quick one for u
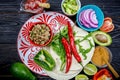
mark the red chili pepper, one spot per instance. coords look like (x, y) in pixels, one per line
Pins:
(72, 44)
(68, 53)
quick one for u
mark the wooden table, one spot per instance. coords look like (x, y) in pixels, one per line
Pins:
(11, 21)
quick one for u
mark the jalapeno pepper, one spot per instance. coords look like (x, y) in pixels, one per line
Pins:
(44, 60)
(72, 44)
(68, 53)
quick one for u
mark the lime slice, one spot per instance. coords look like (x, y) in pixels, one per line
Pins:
(90, 69)
(81, 77)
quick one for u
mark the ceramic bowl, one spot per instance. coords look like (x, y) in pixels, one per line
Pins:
(63, 9)
(99, 16)
(47, 42)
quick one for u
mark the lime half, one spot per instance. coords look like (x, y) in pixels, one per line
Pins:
(90, 69)
(81, 77)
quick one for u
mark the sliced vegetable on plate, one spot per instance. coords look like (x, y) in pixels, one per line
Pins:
(44, 59)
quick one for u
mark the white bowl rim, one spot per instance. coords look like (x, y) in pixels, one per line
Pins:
(78, 2)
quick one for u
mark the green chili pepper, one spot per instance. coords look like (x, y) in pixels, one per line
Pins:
(45, 60)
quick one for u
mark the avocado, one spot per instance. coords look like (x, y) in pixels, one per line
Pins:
(101, 38)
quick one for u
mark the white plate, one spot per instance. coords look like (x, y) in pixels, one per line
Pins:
(27, 51)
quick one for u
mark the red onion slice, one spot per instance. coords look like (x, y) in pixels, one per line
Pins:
(93, 17)
(83, 21)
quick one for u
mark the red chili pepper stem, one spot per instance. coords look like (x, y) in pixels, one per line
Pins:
(68, 53)
(72, 44)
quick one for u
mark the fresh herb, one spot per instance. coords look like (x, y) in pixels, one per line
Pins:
(57, 46)
(81, 49)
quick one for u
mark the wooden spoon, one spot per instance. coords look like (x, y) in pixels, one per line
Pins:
(109, 65)
(111, 68)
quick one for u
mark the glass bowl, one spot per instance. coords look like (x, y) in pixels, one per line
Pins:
(32, 6)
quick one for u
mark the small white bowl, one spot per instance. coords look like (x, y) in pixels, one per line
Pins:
(63, 10)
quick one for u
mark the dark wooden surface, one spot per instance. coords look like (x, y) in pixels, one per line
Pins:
(11, 20)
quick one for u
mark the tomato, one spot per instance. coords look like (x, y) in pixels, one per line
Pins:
(107, 26)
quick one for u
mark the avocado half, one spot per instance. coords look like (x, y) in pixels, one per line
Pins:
(101, 38)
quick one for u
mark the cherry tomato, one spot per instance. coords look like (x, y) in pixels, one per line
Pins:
(107, 26)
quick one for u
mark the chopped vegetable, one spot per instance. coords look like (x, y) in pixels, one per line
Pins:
(68, 53)
(107, 26)
(103, 74)
(21, 72)
(44, 60)
(88, 18)
(33, 5)
(70, 6)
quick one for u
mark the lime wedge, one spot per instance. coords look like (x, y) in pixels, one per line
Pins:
(81, 77)
(90, 69)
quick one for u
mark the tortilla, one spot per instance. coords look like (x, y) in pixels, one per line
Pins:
(75, 68)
